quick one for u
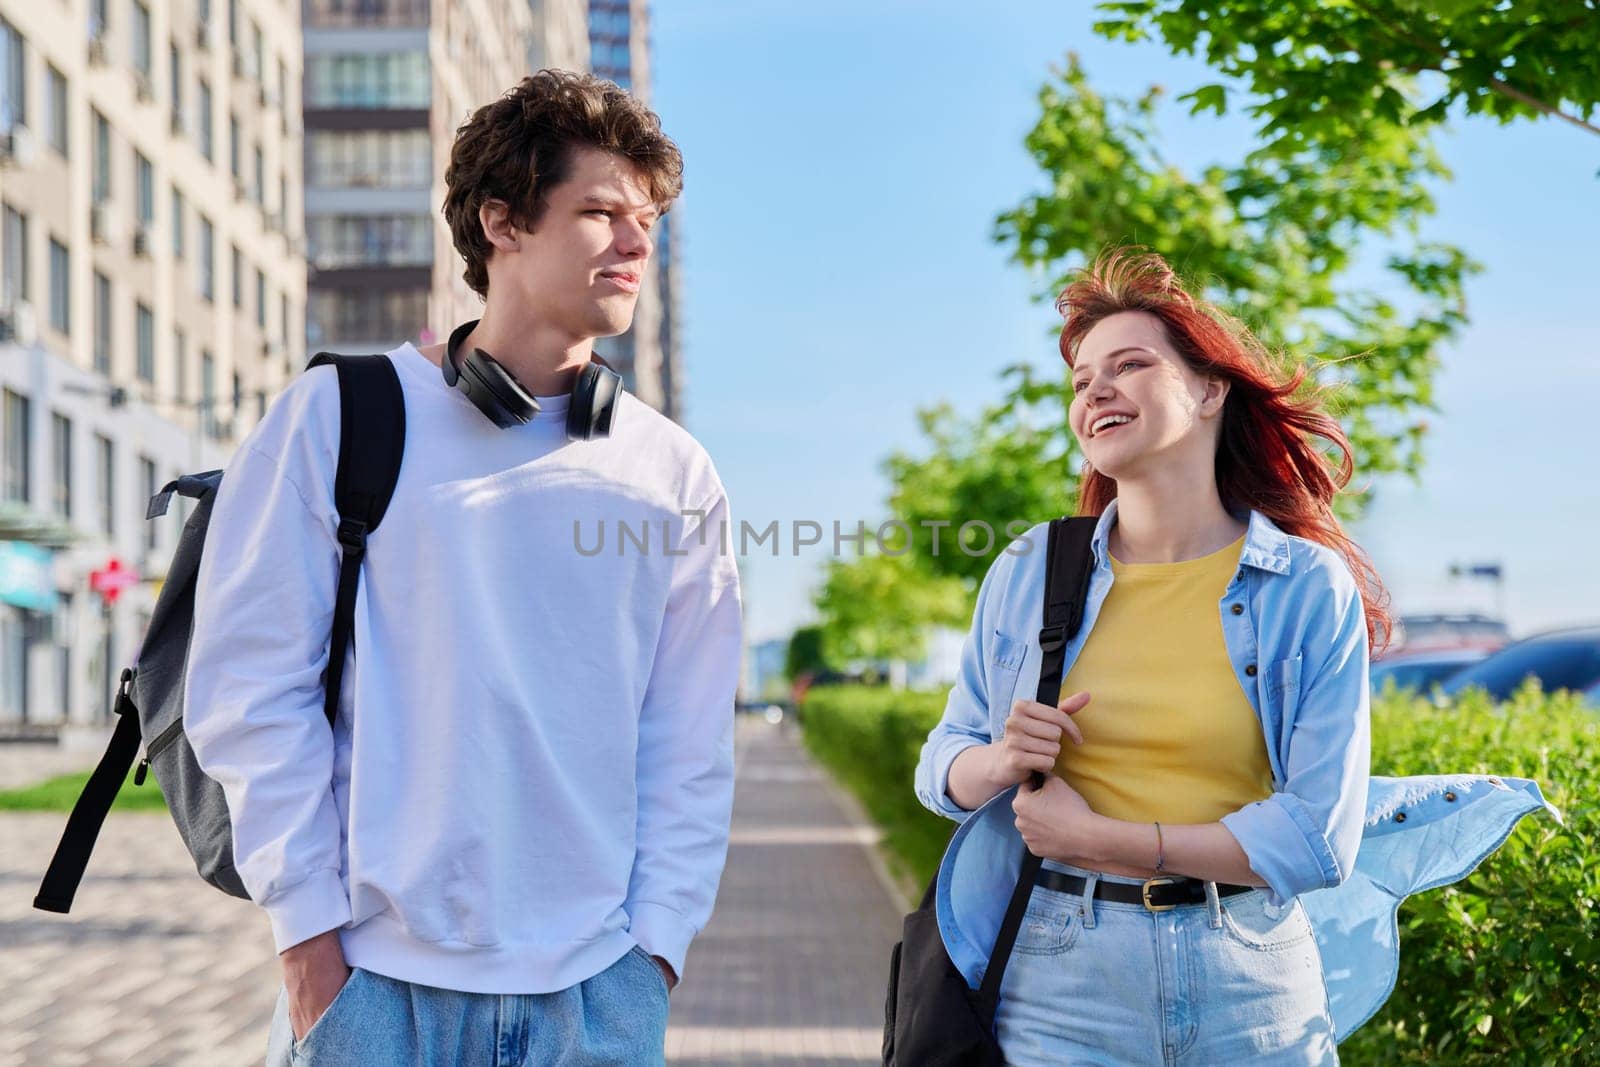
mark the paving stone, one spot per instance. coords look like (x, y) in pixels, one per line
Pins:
(155, 966)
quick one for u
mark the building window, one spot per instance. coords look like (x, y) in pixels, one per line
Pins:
(145, 343)
(141, 38)
(102, 158)
(60, 288)
(99, 18)
(17, 285)
(261, 300)
(233, 22)
(144, 188)
(57, 122)
(61, 464)
(369, 159)
(370, 240)
(283, 321)
(151, 486)
(258, 69)
(175, 86)
(384, 80)
(210, 425)
(366, 13)
(180, 364)
(177, 223)
(236, 265)
(207, 256)
(105, 452)
(18, 442)
(14, 78)
(369, 315)
(258, 174)
(204, 125)
(102, 324)
(233, 147)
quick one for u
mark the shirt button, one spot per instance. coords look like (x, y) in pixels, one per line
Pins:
(1399, 816)
(1251, 670)
(1238, 609)
(1451, 797)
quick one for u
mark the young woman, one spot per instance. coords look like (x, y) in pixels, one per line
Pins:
(1208, 761)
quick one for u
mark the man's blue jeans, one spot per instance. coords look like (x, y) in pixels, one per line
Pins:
(618, 1017)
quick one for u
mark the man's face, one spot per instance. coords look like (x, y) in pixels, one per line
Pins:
(580, 269)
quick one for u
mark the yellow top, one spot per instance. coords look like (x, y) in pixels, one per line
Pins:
(1168, 734)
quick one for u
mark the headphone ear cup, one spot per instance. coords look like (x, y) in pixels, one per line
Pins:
(496, 392)
(593, 404)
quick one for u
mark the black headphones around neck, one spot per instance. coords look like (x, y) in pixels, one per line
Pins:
(496, 393)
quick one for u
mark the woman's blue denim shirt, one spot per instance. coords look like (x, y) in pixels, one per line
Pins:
(1295, 629)
(1296, 632)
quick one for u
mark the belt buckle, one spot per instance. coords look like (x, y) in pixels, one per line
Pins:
(1149, 906)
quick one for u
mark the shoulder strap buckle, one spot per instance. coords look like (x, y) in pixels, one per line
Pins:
(353, 536)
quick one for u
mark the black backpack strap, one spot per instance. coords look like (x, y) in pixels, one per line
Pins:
(1068, 562)
(66, 869)
(372, 441)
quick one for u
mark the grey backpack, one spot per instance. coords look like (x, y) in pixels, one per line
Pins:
(149, 701)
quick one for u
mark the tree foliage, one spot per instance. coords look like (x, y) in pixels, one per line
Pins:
(805, 655)
(1312, 240)
(1314, 69)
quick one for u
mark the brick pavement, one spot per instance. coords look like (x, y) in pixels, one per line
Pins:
(789, 971)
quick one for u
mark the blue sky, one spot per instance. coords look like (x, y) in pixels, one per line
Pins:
(845, 163)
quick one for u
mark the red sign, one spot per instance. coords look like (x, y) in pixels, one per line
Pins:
(110, 580)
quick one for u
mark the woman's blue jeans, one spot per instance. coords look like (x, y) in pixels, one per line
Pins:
(1227, 983)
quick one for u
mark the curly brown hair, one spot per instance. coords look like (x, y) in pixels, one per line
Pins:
(519, 147)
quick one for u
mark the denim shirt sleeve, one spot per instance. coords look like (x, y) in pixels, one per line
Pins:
(1306, 835)
(965, 722)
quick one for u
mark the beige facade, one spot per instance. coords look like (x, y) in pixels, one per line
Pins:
(152, 297)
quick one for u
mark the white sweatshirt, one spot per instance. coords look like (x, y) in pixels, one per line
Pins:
(532, 767)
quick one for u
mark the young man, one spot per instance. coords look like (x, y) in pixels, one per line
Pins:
(502, 849)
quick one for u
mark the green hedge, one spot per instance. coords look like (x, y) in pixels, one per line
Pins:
(870, 738)
(1502, 967)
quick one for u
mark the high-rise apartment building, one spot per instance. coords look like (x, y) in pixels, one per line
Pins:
(647, 355)
(152, 295)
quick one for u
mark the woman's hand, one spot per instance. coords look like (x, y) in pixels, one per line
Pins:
(1056, 822)
(1032, 740)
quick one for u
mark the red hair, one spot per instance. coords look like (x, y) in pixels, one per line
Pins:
(1266, 458)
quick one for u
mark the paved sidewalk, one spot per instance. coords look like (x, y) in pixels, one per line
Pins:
(154, 966)
(791, 968)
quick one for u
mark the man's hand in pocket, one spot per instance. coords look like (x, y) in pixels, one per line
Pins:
(313, 972)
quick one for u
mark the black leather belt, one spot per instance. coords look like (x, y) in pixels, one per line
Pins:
(1156, 894)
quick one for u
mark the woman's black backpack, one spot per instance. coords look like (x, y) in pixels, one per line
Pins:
(149, 702)
(932, 1018)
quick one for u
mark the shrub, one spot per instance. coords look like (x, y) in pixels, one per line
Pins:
(1503, 966)
(870, 738)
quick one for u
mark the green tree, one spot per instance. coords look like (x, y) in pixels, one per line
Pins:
(1312, 241)
(879, 607)
(1317, 72)
(1277, 238)
(805, 655)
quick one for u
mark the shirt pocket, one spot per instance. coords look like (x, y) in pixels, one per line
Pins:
(1283, 683)
(1005, 654)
